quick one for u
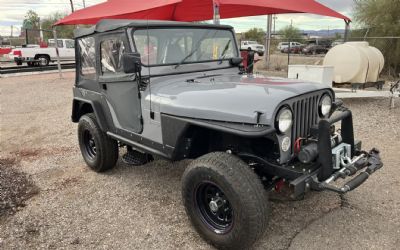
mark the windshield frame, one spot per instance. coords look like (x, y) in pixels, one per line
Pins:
(235, 44)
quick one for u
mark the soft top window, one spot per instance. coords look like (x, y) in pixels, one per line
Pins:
(184, 45)
(111, 55)
(87, 55)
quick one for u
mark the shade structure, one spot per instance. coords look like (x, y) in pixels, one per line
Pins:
(193, 10)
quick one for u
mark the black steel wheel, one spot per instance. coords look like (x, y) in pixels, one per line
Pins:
(225, 200)
(214, 207)
(90, 144)
(98, 150)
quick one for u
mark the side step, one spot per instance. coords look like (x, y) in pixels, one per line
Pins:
(136, 158)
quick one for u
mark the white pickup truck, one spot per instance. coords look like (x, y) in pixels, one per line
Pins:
(253, 45)
(43, 56)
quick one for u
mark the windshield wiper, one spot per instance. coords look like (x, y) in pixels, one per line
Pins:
(186, 57)
(193, 51)
(222, 57)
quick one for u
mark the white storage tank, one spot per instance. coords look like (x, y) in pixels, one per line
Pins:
(355, 62)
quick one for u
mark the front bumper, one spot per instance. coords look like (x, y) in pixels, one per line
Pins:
(322, 177)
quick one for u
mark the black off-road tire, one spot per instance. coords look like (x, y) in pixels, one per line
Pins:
(244, 192)
(105, 154)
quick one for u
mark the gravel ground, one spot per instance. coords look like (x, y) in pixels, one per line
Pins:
(15, 188)
(140, 207)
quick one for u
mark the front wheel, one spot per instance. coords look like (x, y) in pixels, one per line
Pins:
(99, 151)
(225, 200)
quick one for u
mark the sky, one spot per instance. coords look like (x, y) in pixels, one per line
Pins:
(12, 13)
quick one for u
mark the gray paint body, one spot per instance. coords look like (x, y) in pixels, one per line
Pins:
(225, 95)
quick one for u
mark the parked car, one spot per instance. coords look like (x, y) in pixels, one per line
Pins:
(284, 45)
(297, 49)
(253, 45)
(315, 49)
(34, 55)
(142, 87)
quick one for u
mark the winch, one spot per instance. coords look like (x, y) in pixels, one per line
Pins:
(309, 152)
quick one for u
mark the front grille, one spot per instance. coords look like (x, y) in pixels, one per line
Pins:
(305, 115)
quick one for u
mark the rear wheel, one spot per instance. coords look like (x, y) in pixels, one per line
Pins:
(43, 60)
(225, 200)
(98, 150)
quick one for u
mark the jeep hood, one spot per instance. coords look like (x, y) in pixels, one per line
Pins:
(231, 98)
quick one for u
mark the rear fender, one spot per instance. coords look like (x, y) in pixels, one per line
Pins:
(81, 107)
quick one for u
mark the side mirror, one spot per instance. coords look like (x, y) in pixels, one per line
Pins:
(235, 61)
(131, 62)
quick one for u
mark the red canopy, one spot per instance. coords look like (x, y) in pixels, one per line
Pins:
(193, 10)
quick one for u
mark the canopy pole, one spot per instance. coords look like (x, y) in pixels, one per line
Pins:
(268, 41)
(57, 52)
(217, 17)
(346, 30)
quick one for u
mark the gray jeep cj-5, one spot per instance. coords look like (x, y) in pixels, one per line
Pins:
(179, 90)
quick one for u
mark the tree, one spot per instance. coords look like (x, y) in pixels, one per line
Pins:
(32, 24)
(291, 33)
(381, 18)
(255, 34)
(64, 31)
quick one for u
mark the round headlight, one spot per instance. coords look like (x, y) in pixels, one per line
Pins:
(284, 120)
(325, 105)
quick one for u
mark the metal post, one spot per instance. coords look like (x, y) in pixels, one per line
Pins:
(217, 17)
(84, 4)
(288, 58)
(72, 5)
(268, 40)
(58, 54)
(346, 30)
(26, 36)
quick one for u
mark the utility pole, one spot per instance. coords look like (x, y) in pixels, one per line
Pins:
(275, 17)
(72, 5)
(84, 4)
(217, 17)
(346, 30)
(268, 40)
(12, 28)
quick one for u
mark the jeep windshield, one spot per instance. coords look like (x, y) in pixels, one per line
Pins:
(176, 46)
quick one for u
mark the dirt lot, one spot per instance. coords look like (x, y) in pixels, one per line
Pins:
(140, 207)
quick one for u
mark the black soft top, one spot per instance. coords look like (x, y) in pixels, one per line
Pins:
(113, 24)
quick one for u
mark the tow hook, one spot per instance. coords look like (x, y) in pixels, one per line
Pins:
(370, 161)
